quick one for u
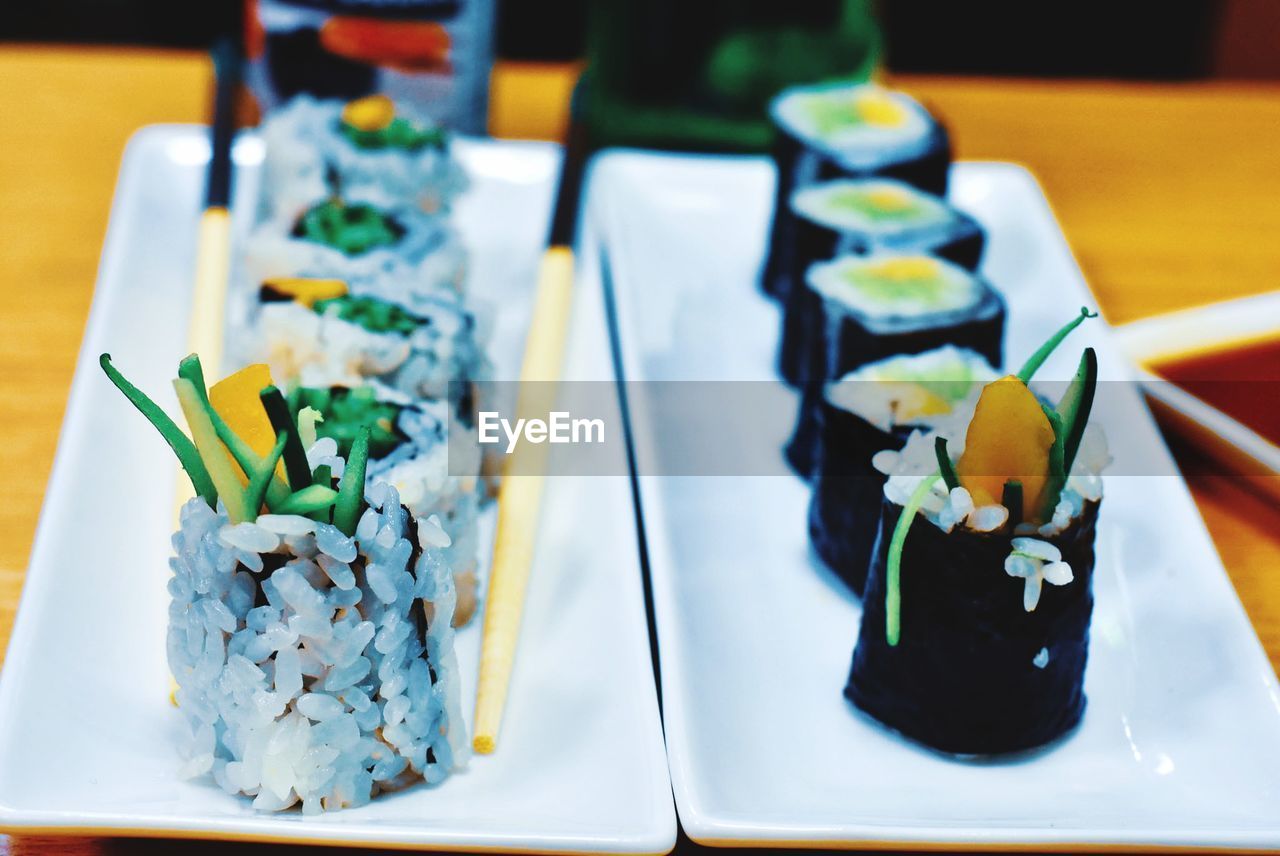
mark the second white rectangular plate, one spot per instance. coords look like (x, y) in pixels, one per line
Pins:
(87, 736)
(1180, 745)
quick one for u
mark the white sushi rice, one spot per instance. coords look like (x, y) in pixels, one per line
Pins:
(427, 260)
(303, 141)
(315, 683)
(320, 350)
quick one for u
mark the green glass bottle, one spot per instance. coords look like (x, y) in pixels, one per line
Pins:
(698, 74)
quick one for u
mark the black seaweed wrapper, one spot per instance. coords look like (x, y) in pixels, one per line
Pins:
(844, 512)
(962, 678)
(799, 164)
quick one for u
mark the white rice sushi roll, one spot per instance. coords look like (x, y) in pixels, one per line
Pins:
(314, 668)
(309, 625)
(317, 333)
(360, 238)
(370, 144)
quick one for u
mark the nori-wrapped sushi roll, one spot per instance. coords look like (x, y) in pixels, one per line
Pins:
(862, 217)
(975, 625)
(846, 130)
(975, 673)
(874, 408)
(867, 308)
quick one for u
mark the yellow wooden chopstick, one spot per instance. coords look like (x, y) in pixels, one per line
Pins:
(209, 302)
(520, 496)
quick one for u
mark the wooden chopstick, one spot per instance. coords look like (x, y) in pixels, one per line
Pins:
(213, 248)
(520, 495)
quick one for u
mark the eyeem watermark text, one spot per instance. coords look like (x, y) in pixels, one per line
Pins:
(560, 427)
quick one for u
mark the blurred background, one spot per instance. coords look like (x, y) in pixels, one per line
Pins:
(1093, 38)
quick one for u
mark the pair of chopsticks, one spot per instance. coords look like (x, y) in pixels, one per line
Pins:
(520, 496)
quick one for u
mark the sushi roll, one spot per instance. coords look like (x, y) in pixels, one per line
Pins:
(364, 241)
(975, 625)
(370, 145)
(865, 308)
(316, 332)
(862, 217)
(846, 130)
(310, 615)
(873, 408)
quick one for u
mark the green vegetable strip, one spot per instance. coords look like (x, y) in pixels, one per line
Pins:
(1037, 359)
(1057, 473)
(262, 477)
(308, 500)
(181, 444)
(190, 369)
(211, 452)
(947, 470)
(295, 457)
(346, 513)
(248, 460)
(1011, 498)
(893, 580)
(1076, 404)
(322, 476)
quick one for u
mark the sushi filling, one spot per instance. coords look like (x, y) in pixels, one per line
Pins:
(913, 389)
(345, 411)
(315, 333)
(352, 229)
(913, 480)
(374, 315)
(372, 124)
(879, 207)
(860, 124)
(915, 287)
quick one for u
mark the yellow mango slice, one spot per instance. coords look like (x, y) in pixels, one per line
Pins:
(371, 113)
(307, 291)
(236, 400)
(1009, 438)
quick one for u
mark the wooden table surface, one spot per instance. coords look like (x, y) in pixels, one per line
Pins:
(1168, 194)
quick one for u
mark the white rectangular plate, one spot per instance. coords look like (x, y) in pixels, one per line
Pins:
(1181, 741)
(87, 735)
